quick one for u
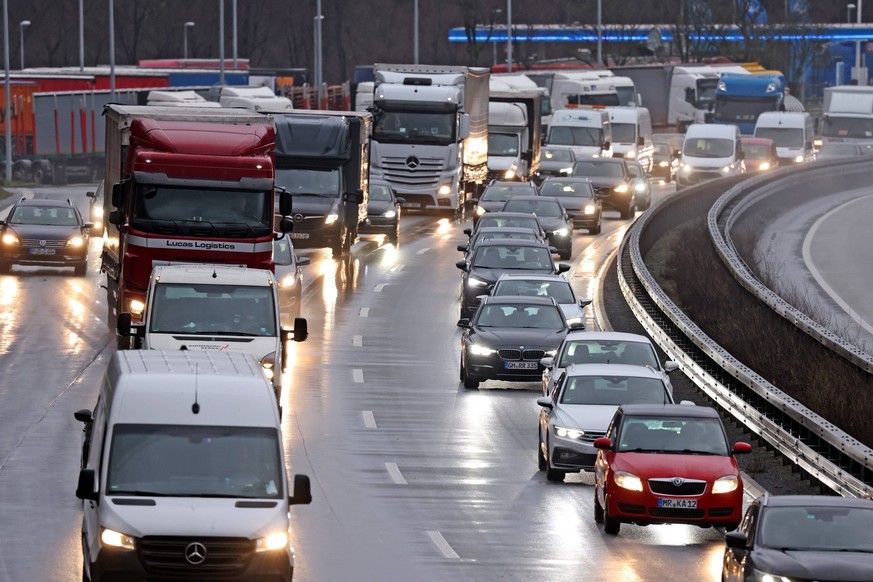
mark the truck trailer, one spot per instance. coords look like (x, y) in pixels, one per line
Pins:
(847, 114)
(514, 135)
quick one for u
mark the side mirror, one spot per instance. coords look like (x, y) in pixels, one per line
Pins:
(400, 200)
(585, 302)
(302, 491)
(474, 201)
(741, 155)
(545, 402)
(461, 265)
(285, 203)
(603, 443)
(671, 366)
(116, 218)
(298, 333)
(547, 362)
(742, 448)
(84, 415)
(87, 486)
(808, 146)
(563, 268)
(467, 231)
(736, 540)
(88, 226)
(463, 248)
(124, 323)
(118, 194)
(553, 250)
(464, 127)
(303, 261)
(607, 144)
(576, 325)
(286, 224)
(464, 322)
(91, 194)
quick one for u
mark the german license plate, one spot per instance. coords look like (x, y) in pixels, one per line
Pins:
(521, 365)
(411, 205)
(42, 251)
(298, 235)
(677, 503)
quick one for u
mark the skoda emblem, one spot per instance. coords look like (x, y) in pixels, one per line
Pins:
(678, 481)
(298, 218)
(42, 243)
(195, 553)
(412, 162)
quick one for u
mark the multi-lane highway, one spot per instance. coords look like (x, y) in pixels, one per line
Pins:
(414, 477)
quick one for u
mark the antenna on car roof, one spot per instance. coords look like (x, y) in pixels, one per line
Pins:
(195, 408)
(69, 202)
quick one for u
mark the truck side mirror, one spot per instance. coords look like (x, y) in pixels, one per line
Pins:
(286, 224)
(124, 323)
(285, 203)
(84, 415)
(87, 486)
(301, 329)
(116, 218)
(118, 194)
(302, 491)
(464, 127)
(356, 197)
(641, 141)
(91, 194)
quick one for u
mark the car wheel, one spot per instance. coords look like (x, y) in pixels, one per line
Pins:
(629, 211)
(595, 229)
(81, 269)
(341, 246)
(610, 524)
(542, 463)
(5, 267)
(38, 174)
(470, 383)
(566, 254)
(395, 235)
(598, 511)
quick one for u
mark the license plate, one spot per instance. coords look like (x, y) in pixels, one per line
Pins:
(298, 235)
(42, 251)
(521, 365)
(411, 205)
(677, 503)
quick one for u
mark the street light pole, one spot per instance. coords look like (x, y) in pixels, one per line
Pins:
(8, 150)
(81, 35)
(185, 38)
(234, 35)
(599, 34)
(509, 35)
(415, 31)
(22, 26)
(112, 50)
(849, 8)
(319, 64)
(221, 42)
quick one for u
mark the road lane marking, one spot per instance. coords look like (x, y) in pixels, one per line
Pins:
(397, 268)
(369, 419)
(443, 545)
(446, 237)
(358, 376)
(378, 288)
(358, 341)
(365, 312)
(395, 473)
(422, 251)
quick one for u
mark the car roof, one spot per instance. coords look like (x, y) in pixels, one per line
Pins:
(757, 140)
(606, 335)
(44, 202)
(507, 214)
(671, 410)
(612, 370)
(585, 179)
(513, 299)
(530, 277)
(511, 183)
(504, 229)
(602, 160)
(515, 242)
(816, 500)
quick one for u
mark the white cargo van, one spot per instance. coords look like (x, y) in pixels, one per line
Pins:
(632, 134)
(793, 133)
(254, 98)
(710, 151)
(183, 471)
(586, 131)
(178, 99)
(215, 308)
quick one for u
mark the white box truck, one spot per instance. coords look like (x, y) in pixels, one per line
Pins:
(586, 131)
(632, 134)
(847, 114)
(513, 135)
(430, 136)
(183, 472)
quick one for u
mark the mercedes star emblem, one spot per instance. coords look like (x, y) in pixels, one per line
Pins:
(412, 162)
(195, 553)
(298, 218)
(678, 481)
(42, 243)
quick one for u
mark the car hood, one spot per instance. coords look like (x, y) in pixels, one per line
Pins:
(533, 338)
(585, 416)
(653, 465)
(708, 162)
(310, 204)
(40, 231)
(491, 275)
(492, 205)
(551, 222)
(573, 203)
(605, 181)
(813, 565)
(377, 207)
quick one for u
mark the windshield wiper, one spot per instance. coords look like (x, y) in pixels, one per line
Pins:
(139, 493)
(235, 333)
(692, 452)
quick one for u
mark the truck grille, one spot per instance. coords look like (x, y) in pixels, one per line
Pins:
(666, 487)
(427, 173)
(165, 556)
(49, 244)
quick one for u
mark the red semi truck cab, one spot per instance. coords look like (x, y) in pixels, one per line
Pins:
(187, 186)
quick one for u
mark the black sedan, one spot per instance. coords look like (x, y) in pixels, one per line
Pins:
(507, 338)
(802, 537)
(508, 219)
(497, 193)
(552, 215)
(495, 257)
(612, 181)
(383, 212)
(666, 162)
(578, 199)
(493, 232)
(44, 232)
(555, 161)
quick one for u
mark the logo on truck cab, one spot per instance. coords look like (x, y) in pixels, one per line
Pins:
(199, 244)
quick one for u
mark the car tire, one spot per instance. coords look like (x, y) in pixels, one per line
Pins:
(5, 267)
(629, 211)
(565, 254)
(80, 269)
(394, 237)
(470, 383)
(554, 475)
(598, 511)
(341, 246)
(542, 463)
(595, 229)
(38, 173)
(610, 524)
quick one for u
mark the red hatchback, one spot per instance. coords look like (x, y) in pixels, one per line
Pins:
(667, 464)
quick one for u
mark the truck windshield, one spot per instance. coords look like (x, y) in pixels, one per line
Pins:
(314, 182)
(203, 212)
(196, 309)
(194, 461)
(578, 136)
(848, 127)
(437, 128)
(742, 109)
(786, 137)
(627, 96)
(605, 99)
(703, 147)
(624, 132)
(502, 144)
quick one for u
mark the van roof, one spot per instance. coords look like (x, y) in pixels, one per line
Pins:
(159, 386)
(712, 130)
(214, 274)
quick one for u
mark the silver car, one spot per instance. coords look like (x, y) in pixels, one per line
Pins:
(580, 408)
(554, 286)
(604, 347)
(290, 278)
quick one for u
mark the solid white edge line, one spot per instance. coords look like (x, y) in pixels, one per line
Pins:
(444, 547)
(358, 375)
(365, 312)
(422, 251)
(394, 472)
(369, 419)
(599, 306)
(358, 341)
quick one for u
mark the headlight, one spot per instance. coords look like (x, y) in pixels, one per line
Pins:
(116, 540)
(389, 213)
(10, 239)
(574, 320)
(445, 190)
(97, 212)
(137, 306)
(590, 209)
(640, 187)
(569, 433)
(273, 542)
(560, 232)
(474, 282)
(758, 576)
(798, 159)
(478, 350)
(686, 169)
(764, 166)
(663, 164)
(567, 171)
(480, 211)
(268, 362)
(550, 353)
(288, 281)
(631, 154)
(727, 169)
(621, 188)
(75, 241)
(331, 218)
(725, 484)
(627, 481)
(510, 174)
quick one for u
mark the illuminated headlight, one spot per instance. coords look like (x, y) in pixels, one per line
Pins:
(97, 212)
(137, 306)
(798, 159)
(569, 433)
(764, 166)
(590, 209)
(10, 239)
(480, 211)
(725, 484)
(567, 171)
(268, 362)
(389, 213)
(331, 218)
(631, 154)
(640, 187)
(621, 188)
(288, 281)
(75, 241)
(663, 164)
(595, 155)
(628, 481)
(727, 169)
(817, 142)
(478, 350)
(272, 542)
(758, 576)
(686, 169)
(474, 282)
(115, 539)
(510, 174)
(550, 353)
(445, 190)
(561, 232)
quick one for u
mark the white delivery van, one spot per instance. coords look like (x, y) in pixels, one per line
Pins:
(183, 471)
(364, 96)
(710, 151)
(215, 308)
(793, 133)
(254, 98)
(632, 134)
(586, 131)
(178, 99)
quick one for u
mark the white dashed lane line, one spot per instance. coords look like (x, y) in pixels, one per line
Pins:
(395, 473)
(443, 545)
(365, 312)
(358, 376)
(369, 419)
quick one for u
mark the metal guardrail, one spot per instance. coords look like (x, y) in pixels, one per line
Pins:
(829, 455)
